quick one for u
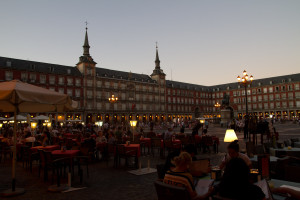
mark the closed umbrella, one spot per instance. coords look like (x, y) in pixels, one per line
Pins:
(16, 96)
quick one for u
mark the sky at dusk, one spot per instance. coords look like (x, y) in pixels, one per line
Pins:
(205, 42)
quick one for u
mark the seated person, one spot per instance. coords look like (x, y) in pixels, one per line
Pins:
(101, 138)
(168, 135)
(45, 140)
(235, 183)
(233, 152)
(179, 175)
(111, 138)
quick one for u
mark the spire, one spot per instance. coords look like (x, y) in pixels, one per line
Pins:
(86, 46)
(157, 61)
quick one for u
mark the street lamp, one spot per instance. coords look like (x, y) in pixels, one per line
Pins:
(217, 105)
(245, 80)
(112, 100)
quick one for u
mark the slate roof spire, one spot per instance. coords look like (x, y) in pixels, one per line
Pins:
(157, 61)
(86, 46)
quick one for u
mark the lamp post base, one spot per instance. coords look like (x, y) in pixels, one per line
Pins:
(10, 193)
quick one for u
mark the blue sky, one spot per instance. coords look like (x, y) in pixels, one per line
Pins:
(203, 42)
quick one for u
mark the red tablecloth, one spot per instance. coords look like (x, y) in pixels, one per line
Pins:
(66, 153)
(94, 136)
(199, 139)
(147, 141)
(133, 147)
(46, 148)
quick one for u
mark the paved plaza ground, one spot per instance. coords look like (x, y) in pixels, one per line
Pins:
(107, 182)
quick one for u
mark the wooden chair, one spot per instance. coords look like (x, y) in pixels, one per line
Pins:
(126, 154)
(166, 192)
(156, 144)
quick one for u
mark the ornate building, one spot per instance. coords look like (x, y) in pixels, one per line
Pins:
(150, 98)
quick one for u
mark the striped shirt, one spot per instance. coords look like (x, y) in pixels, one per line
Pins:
(180, 179)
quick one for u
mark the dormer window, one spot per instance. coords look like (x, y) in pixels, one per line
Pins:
(259, 84)
(271, 82)
(283, 81)
(8, 63)
(51, 69)
(32, 67)
(290, 79)
(69, 71)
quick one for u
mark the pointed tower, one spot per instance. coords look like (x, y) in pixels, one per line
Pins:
(87, 67)
(85, 58)
(158, 74)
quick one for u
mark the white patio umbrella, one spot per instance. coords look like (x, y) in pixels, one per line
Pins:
(18, 117)
(41, 117)
(2, 119)
(16, 96)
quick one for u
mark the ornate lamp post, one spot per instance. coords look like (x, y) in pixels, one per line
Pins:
(245, 80)
(217, 105)
(113, 100)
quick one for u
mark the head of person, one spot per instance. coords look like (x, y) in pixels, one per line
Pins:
(233, 149)
(100, 133)
(183, 161)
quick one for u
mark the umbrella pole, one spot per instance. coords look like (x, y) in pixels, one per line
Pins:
(14, 152)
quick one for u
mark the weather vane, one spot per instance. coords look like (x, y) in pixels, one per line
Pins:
(156, 44)
(86, 23)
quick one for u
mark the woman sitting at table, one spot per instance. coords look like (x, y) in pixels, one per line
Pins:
(180, 176)
(101, 138)
(233, 152)
(111, 138)
(45, 140)
(235, 183)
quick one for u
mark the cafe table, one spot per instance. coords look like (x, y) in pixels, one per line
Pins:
(45, 148)
(65, 154)
(136, 147)
(285, 152)
(275, 183)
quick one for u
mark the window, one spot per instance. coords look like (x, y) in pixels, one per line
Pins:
(24, 77)
(271, 105)
(70, 92)
(265, 90)
(98, 94)
(271, 97)
(89, 83)
(61, 80)
(254, 98)
(291, 95)
(277, 96)
(77, 92)
(266, 106)
(277, 104)
(284, 104)
(116, 85)
(290, 88)
(283, 95)
(265, 97)
(107, 84)
(254, 106)
(297, 94)
(259, 98)
(253, 91)
(52, 80)
(89, 94)
(70, 81)
(8, 75)
(8, 63)
(259, 90)
(99, 105)
(42, 79)
(270, 89)
(296, 86)
(61, 90)
(291, 104)
(277, 89)
(282, 88)
(32, 78)
(77, 82)
(52, 88)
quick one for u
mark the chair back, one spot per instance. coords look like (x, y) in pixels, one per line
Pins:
(166, 192)
(207, 140)
(200, 167)
(156, 142)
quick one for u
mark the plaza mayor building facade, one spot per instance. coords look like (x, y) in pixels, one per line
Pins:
(107, 95)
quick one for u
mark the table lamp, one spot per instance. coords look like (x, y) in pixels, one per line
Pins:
(230, 136)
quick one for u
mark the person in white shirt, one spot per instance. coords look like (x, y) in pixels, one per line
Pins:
(233, 152)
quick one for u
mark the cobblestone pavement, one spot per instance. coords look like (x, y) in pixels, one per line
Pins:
(107, 182)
